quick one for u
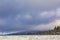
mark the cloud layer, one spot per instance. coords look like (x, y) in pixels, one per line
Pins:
(18, 15)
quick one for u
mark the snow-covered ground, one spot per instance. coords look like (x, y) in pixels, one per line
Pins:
(31, 37)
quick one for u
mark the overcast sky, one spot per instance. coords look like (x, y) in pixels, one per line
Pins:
(23, 15)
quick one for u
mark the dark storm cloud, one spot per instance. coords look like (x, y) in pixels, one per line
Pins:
(27, 12)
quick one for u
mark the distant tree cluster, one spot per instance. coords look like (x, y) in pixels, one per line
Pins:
(55, 31)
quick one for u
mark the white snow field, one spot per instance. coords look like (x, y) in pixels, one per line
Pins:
(31, 37)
